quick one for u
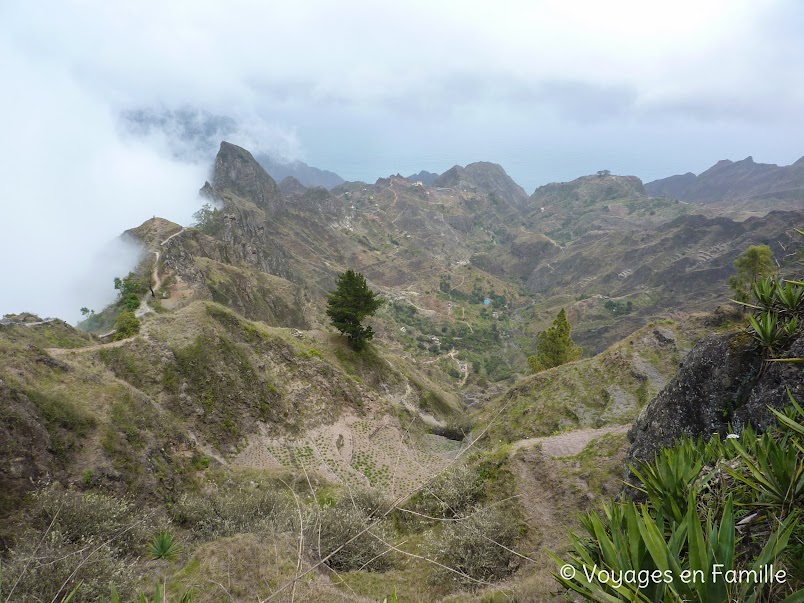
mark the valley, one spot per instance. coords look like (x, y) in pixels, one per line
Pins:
(432, 464)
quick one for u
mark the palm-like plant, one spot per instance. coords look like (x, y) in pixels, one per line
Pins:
(667, 480)
(775, 472)
(765, 329)
(164, 546)
(790, 296)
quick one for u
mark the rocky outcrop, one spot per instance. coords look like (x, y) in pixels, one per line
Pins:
(724, 384)
(25, 445)
(238, 172)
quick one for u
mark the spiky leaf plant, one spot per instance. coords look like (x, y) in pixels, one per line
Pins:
(164, 546)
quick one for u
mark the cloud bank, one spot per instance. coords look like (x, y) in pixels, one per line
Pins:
(111, 111)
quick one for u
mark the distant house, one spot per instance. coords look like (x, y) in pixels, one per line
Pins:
(418, 183)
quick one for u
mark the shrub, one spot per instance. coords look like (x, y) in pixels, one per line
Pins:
(220, 514)
(452, 494)
(370, 501)
(73, 538)
(479, 547)
(340, 531)
(127, 325)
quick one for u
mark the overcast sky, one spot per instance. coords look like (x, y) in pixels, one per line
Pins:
(549, 89)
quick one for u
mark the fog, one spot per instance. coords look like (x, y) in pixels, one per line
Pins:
(111, 112)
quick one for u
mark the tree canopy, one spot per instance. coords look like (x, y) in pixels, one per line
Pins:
(752, 264)
(350, 304)
(555, 345)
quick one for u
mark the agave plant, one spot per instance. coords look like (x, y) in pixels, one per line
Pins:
(630, 542)
(668, 480)
(775, 472)
(765, 329)
(164, 546)
(790, 297)
(765, 292)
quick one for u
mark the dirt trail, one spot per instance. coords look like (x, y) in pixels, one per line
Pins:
(463, 368)
(569, 443)
(88, 348)
(144, 309)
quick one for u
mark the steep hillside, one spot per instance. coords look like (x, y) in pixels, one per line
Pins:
(730, 180)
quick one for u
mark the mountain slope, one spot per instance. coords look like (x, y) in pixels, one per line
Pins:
(729, 180)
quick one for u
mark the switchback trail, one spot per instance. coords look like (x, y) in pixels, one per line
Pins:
(569, 443)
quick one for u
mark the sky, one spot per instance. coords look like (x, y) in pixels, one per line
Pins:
(551, 90)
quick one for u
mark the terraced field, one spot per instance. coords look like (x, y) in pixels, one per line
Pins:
(358, 451)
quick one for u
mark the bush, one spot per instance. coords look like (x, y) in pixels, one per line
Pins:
(127, 326)
(479, 547)
(331, 528)
(94, 535)
(79, 517)
(221, 514)
(370, 501)
(452, 494)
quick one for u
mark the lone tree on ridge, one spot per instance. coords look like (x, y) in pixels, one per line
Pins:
(351, 303)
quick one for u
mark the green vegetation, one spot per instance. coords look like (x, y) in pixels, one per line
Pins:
(164, 546)
(127, 325)
(350, 304)
(735, 502)
(752, 264)
(555, 346)
(131, 289)
(209, 220)
(619, 308)
(777, 313)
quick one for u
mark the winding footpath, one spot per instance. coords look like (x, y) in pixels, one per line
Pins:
(142, 311)
(569, 443)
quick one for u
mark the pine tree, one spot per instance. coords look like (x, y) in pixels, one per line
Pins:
(351, 303)
(555, 345)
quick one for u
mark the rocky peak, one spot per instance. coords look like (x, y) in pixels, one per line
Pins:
(237, 171)
(487, 177)
(291, 186)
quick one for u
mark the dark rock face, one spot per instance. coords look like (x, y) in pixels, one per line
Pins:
(723, 381)
(237, 171)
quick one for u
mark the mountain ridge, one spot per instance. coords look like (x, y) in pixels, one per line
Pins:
(730, 180)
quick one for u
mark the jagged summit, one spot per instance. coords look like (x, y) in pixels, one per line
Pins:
(486, 177)
(236, 170)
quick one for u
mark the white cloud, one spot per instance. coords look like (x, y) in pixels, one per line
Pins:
(554, 87)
